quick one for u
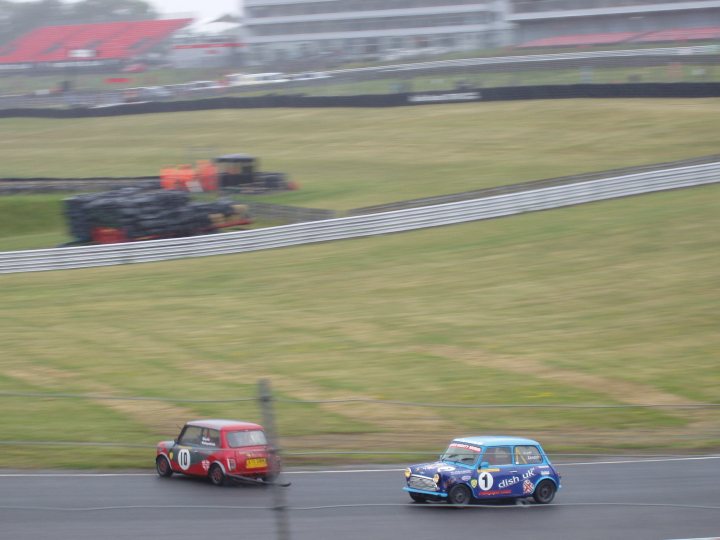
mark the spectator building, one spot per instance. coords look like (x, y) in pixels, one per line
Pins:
(341, 30)
(292, 30)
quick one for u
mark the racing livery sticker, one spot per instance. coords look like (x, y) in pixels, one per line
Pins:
(509, 482)
(496, 492)
(485, 481)
(183, 459)
(464, 446)
(528, 487)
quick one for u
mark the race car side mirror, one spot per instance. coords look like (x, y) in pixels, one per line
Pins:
(484, 465)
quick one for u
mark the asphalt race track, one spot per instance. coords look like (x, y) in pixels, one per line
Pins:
(635, 499)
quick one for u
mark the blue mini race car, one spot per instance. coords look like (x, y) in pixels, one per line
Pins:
(482, 468)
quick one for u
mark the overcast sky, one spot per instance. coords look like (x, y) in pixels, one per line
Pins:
(201, 9)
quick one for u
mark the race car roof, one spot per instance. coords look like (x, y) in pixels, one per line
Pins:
(224, 424)
(496, 440)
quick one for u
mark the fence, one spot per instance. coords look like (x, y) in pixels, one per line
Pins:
(360, 226)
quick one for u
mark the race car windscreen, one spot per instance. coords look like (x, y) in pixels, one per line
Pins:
(461, 453)
(237, 439)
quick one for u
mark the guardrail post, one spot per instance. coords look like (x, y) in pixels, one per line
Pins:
(278, 492)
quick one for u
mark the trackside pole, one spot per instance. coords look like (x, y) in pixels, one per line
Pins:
(278, 492)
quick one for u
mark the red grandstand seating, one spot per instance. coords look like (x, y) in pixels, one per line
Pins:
(579, 40)
(681, 34)
(33, 43)
(613, 38)
(115, 40)
(142, 36)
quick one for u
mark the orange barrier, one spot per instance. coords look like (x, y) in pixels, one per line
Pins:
(207, 174)
(108, 235)
(204, 177)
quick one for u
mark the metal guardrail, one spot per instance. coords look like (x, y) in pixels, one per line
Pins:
(360, 226)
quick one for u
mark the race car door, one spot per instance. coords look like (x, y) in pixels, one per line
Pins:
(499, 476)
(528, 460)
(185, 455)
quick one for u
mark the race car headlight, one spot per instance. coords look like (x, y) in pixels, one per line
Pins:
(408, 472)
(436, 478)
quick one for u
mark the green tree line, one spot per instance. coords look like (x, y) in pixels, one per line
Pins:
(17, 18)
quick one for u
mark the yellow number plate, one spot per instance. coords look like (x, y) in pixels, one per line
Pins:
(256, 463)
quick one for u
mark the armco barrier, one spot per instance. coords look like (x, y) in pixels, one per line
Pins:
(359, 226)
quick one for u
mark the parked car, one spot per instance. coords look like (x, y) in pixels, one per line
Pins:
(154, 93)
(309, 76)
(137, 67)
(485, 468)
(245, 79)
(217, 450)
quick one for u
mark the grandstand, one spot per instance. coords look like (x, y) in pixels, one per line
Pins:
(87, 44)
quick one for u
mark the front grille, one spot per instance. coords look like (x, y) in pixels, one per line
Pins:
(422, 482)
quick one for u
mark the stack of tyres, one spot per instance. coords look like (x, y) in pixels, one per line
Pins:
(143, 213)
(77, 218)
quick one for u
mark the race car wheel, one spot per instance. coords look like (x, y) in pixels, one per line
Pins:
(459, 495)
(418, 498)
(270, 477)
(162, 466)
(544, 492)
(217, 476)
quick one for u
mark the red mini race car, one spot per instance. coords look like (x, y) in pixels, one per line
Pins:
(219, 449)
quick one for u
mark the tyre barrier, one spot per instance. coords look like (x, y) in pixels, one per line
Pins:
(134, 213)
(360, 226)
